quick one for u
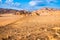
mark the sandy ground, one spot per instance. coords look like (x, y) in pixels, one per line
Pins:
(8, 18)
(30, 28)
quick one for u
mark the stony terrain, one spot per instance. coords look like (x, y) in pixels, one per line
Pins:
(32, 27)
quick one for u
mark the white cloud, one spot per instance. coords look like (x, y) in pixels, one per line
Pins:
(48, 1)
(0, 0)
(32, 3)
(8, 1)
(17, 4)
(11, 3)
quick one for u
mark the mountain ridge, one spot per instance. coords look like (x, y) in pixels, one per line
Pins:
(42, 11)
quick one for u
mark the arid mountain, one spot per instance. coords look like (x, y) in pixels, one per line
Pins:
(46, 11)
(3, 11)
(42, 11)
(11, 11)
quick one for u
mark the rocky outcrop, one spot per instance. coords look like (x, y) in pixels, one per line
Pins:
(23, 12)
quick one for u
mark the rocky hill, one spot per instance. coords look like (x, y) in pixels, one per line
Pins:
(46, 11)
(11, 11)
(42, 11)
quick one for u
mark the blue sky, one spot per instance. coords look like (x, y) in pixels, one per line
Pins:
(29, 4)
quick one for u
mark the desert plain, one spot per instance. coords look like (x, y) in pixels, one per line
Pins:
(35, 26)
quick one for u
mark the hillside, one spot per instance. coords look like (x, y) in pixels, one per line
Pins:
(35, 26)
(46, 11)
(12, 11)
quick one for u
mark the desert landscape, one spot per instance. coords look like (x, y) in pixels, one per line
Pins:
(42, 24)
